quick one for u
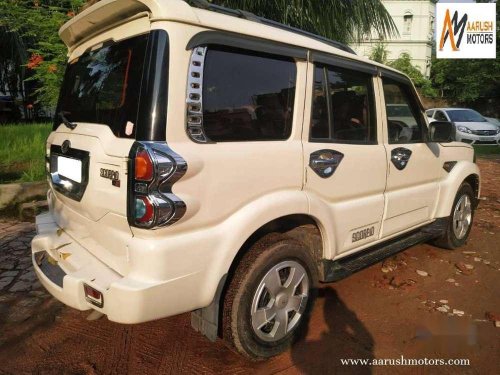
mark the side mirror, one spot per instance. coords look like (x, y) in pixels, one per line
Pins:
(441, 131)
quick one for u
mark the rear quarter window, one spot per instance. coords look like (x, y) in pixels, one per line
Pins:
(247, 96)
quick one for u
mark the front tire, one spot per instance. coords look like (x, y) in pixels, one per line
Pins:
(269, 297)
(461, 218)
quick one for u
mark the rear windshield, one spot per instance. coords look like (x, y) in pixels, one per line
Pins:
(102, 86)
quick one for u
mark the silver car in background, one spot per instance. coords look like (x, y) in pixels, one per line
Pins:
(471, 126)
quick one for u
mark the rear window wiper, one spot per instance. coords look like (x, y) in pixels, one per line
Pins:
(66, 122)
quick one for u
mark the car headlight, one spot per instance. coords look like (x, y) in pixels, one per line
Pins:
(464, 129)
(498, 131)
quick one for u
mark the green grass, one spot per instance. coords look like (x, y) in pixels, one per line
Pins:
(487, 150)
(22, 152)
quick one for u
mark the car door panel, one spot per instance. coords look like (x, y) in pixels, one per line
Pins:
(351, 197)
(413, 166)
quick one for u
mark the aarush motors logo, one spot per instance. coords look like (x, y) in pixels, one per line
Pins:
(466, 31)
(451, 29)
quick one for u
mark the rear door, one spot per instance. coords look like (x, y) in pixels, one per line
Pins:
(413, 162)
(99, 118)
(344, 160)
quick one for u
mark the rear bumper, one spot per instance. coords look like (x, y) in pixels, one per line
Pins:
(66, 266)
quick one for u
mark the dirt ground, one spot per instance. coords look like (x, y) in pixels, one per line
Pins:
(383, 312)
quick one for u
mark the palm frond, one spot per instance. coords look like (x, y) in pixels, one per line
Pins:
(342, 20)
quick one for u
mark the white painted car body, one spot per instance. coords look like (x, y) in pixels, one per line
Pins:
(230, 189)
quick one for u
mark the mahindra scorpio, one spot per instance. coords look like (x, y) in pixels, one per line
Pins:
(210, 161)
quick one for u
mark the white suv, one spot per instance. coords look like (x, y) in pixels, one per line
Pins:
(208, 160)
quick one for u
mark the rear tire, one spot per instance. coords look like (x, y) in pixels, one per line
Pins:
(269, 297)
(461, 219)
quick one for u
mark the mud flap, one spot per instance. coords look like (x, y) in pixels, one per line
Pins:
(206, 320)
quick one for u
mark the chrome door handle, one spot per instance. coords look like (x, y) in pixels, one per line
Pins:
(400, 157)
(325, 162)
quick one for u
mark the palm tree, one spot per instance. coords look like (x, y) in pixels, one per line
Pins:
(342, 20)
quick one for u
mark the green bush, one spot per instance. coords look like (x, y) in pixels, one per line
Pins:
(22, 152)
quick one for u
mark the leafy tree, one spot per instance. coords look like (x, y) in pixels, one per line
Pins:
(466, 81)
(379, 53)
(35, 25)
(403, 64)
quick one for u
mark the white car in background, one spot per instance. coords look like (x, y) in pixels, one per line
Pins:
(471, 126)
(494, 121)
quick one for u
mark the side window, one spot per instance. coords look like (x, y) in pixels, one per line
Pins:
(247, 96)
(404, 120)
(440, 116)
(429, 113)
(343, 109)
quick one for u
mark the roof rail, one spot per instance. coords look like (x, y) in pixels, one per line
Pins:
(204, 4)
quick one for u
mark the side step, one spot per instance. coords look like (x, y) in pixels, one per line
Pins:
(334, 270)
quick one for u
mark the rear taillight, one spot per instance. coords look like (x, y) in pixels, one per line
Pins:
(144, 210)
(143, 166)
(153, 169)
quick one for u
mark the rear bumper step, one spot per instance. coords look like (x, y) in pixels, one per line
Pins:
(334, 270)
(64, 267)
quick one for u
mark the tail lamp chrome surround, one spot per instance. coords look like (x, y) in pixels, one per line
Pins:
(168, 168)
(195, 95)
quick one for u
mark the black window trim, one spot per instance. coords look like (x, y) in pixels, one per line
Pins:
(342, 62)
(244, 42)
(250, 43)
(329, 110)
(153, 97)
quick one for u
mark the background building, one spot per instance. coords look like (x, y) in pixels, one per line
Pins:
(415, 22)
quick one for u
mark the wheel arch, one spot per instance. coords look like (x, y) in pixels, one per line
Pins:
(473, 181)
(462, 172)
(302, 227)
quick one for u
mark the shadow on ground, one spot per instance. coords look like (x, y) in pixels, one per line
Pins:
(344, 336)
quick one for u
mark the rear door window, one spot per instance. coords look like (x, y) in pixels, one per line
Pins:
(247, 96)
(343, 109)
(102, 86)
